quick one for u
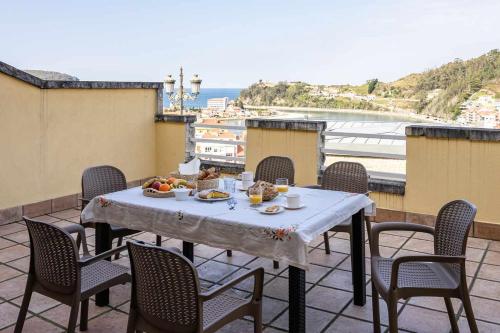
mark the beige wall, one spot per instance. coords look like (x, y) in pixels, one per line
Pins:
(441, 170)
(300, 146)
(170, 146)
(49, 136)
(388, 201)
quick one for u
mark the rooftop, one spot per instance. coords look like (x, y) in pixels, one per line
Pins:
(330, 306)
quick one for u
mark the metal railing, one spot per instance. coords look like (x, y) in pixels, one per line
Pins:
(347, 142)
(219, 144)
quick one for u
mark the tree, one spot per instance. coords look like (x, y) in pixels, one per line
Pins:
(372, 84)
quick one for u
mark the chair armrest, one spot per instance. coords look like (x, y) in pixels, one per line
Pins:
(314, 187)
(377, 228)
(80, 230)
(424, 258)
(84, 202)
(88, 261)
(258, 273)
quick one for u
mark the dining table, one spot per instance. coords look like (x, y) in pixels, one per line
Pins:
(235, 224)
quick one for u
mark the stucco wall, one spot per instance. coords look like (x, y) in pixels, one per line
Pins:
(440, 170)
(300, 146)
(49, 136)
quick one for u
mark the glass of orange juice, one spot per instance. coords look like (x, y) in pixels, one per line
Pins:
(282, 185)
(255, 195)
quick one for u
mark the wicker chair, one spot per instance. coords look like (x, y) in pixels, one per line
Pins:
(101, 180)
(166, 295)
(274, 167)
(346, 177)
(438, 275)
(270, 169)
(57, 271)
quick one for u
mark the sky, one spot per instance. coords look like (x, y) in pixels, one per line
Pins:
(232, 43)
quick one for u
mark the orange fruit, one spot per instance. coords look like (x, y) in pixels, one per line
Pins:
(164, 188)
(171, 180)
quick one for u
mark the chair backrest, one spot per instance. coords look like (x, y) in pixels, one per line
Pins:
(101, 180)
(453, 223)
(346, 177)
(165, 288)
(53, 257)
(274, 167)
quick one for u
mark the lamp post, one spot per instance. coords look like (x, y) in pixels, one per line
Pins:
(180, 96)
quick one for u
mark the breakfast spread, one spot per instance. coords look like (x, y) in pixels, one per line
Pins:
(208, 174)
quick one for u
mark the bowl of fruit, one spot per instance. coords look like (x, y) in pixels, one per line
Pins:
(162, 187)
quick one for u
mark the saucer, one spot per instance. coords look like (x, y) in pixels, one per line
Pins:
(299, 207)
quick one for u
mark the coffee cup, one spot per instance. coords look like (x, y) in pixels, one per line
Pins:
(293, 200)
(247, 176)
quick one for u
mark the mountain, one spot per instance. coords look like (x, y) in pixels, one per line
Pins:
(437, 92)
(49, 75)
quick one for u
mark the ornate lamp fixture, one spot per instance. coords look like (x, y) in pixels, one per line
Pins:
(180, 96)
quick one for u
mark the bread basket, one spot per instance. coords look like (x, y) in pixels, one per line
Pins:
(207, 184)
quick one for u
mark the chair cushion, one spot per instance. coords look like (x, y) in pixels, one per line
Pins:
(423, 275)
(101, 275)
(218, 308)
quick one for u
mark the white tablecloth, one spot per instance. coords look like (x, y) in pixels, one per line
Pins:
(282, 237)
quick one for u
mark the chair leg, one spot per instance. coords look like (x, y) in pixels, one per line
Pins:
(24, 308)
(468, 310)
(276, 264)
(131, 322)
(375, 309)
(257, 319)
(84, 317)
(118, 244)
(73, 317)
(229, 253)
(392, 306)
(451, 315)
(158, 240)
(327, 243)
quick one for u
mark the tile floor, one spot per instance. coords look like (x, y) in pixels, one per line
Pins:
(329, 291)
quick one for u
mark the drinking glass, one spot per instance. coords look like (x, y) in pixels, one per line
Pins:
(229, 185)
(282, 185)
(255, 195)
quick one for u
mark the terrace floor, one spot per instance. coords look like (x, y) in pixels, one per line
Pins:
(329, 291)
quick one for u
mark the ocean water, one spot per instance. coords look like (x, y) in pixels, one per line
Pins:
(205, 94)
(331, 116)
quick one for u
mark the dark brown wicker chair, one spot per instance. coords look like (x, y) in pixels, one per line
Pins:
(346, 177)
(101, 180)
(274, 167)
(57, 271)
(438, 275)
(166, 295)
(270, 169)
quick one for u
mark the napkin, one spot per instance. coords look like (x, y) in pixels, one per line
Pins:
(190, 168)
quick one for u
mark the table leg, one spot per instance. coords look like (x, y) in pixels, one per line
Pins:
(358, 258)
(103, 243)
(297, 300)
(188, 250)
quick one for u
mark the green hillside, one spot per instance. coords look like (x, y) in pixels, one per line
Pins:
(438, 92)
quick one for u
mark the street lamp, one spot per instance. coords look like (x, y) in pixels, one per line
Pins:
(180, 96)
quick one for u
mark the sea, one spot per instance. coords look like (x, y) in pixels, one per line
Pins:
(330, 116)
(205, 94)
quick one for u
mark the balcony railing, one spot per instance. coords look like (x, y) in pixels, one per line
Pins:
(226, 150)
(341, 139)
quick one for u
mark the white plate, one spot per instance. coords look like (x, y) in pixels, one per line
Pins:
(286, 207)
(212, 200)
(263, 210)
